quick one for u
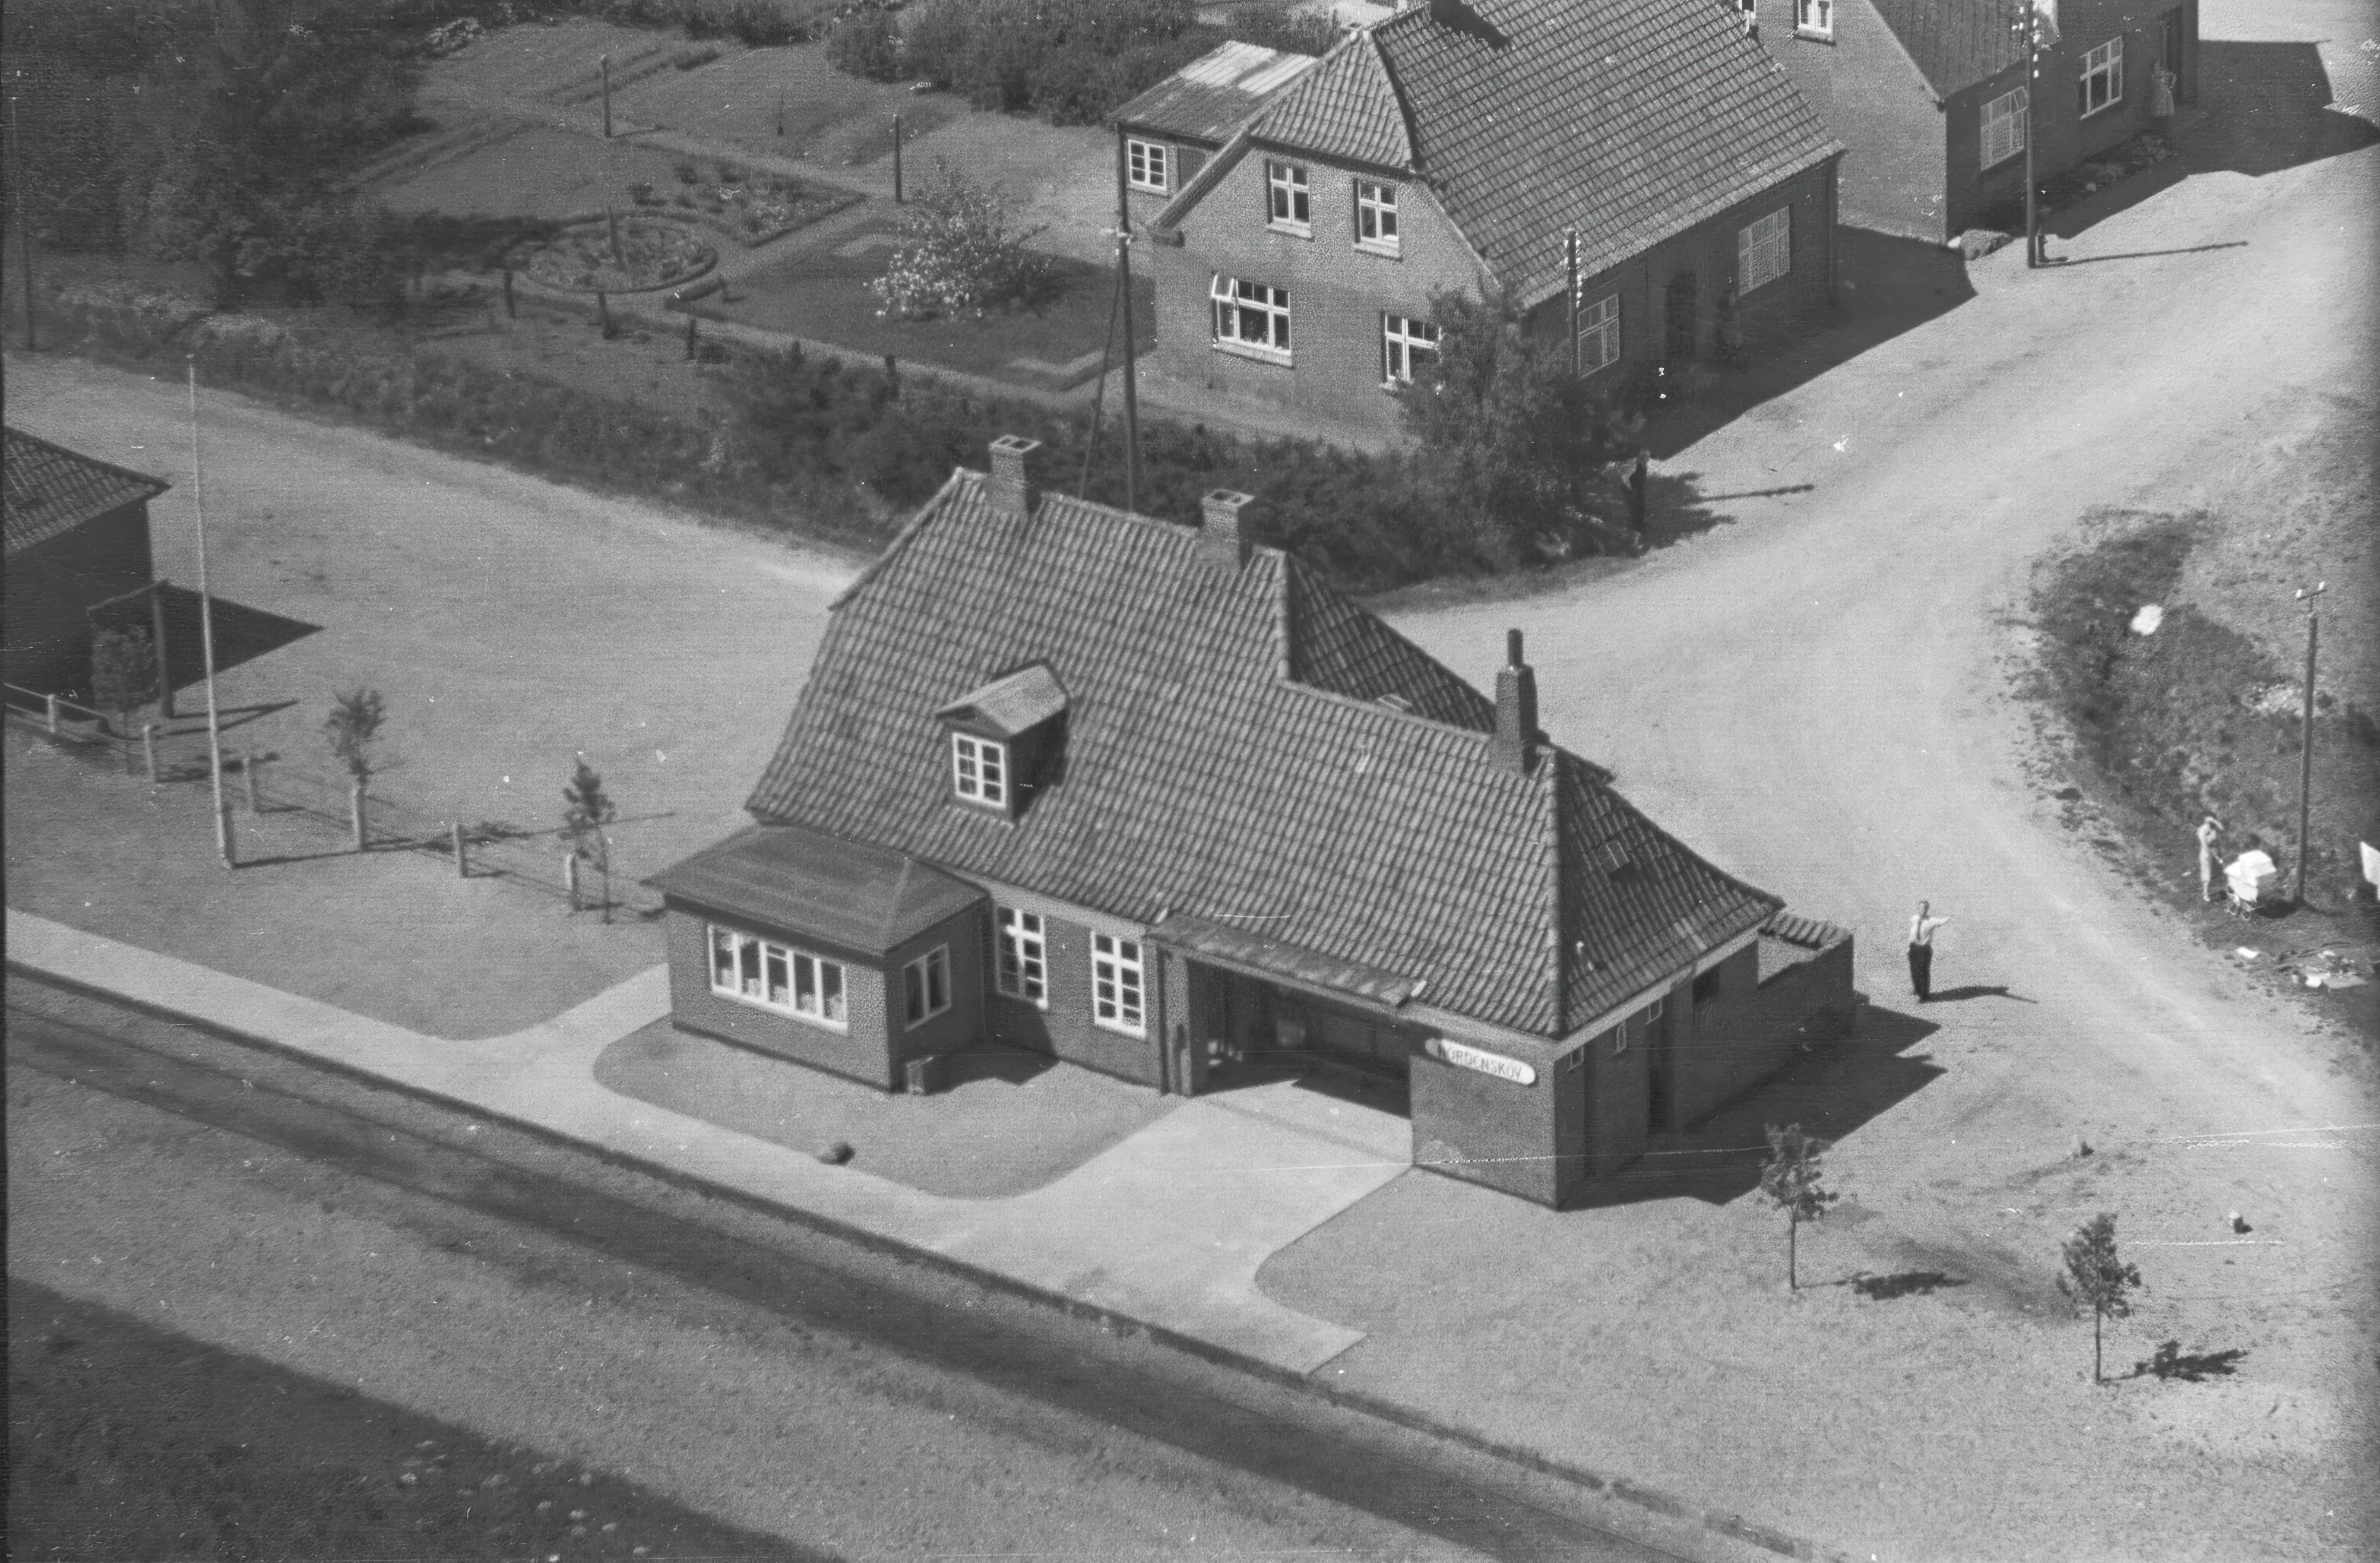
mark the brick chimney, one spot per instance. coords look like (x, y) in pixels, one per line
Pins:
(1011, 491)
(1516, 708)
(1224, 539)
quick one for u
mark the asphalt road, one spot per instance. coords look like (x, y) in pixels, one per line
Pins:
(391, 1247)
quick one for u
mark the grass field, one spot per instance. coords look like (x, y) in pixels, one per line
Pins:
(126, 1442)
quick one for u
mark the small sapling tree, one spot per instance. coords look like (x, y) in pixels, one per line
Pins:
(1793, 1177)
(2097, 1279)
(123, 676)
(352, 728)
(588, 808)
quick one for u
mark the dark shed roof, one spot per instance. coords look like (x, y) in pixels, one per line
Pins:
(52, 490)
(1212, 96)
(848, 894)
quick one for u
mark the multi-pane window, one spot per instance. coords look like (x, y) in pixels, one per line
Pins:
(1763, 251)
(1376, 216)
(776, 976)
(1147, 166)
(1024, 957)
(2103, 77)
(2004, 126)
(1252, 315)
(925, 986)
(980, 770)
(1815, 16)
(1402, 342)
(1291, 206)
(1598, 334)
(1116, 995)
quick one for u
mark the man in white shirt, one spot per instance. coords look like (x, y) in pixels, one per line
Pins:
(1921, 950)
(2210, 830)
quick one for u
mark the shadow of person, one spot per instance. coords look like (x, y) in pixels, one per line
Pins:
(1977, 990)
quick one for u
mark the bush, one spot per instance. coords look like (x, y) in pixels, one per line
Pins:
(866, 44)
(1069, 61)
(958, 255)
(1274, 26)
(936, 41)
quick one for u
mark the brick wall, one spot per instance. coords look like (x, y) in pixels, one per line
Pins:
(1065, 1027)
(864, 1052)
(1183, 163)
(51, 584)
(1733, 1038)
(1494, 1132)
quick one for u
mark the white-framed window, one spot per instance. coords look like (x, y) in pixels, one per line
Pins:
(2005, 125)
(1149, 165)
(1750, 11)
(753, 970)
(1375, 217)
(1290, 205)
(980, 769)
(1401, 341)
(2102, 82)
(1023, 964)
(1619, 1039)
(1575, 1061)
(1598, 336)
(1117, 996)
(1814, 17)
(1252, 315)
(925, 986)
(1763, 250)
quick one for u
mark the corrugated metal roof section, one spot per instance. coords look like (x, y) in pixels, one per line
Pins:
(49, 489)
(1018, 703)
(1216, 94)
(1222, 67)
(1250, 949)
(798, 881)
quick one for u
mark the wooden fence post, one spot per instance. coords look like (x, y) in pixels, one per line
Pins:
(356, 812)
(148, 748)
(570, 877)
(691, 350)
(462, 862)
(896, 161)
(247, 778)
(603, 314)
(510, 312)
(52, 702)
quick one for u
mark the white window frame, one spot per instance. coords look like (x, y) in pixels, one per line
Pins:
(1598, 336)
(2005, 123)
(1401, 337)
(1119, 985)
(925, 987)
(1234, 300)
(1022, 959)
(816, 990)
(2105, 63)
(980, 770)
(1289, 199)
(1815, 19)
(1375, 217)
(1149, 165)
(1763, 250)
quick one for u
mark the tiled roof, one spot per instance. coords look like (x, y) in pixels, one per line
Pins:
(1954, 43)
(1212, 96)
(1018, 703)
(1347, 108)
(1631, 120)
(1229, 758)
(848, 893)
(52, 490)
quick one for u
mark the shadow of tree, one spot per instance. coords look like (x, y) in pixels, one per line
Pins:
(2172, 1362)
(1831, 1090)
(1904, 1283)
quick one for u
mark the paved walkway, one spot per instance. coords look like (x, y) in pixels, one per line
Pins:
(1167, 1228)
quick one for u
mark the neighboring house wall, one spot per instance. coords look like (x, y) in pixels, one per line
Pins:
(1065, 1027)
(1708, 251)
(876, 1042)
(1338, 293)
(1734, 1037)
(1876, 101)
(52, 586)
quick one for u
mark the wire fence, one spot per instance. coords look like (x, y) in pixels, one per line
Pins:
(380, 819)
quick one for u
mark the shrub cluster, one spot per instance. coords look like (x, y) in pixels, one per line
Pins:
(866, 44)
(959, 255)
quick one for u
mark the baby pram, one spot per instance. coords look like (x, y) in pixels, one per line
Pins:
(2248, 882)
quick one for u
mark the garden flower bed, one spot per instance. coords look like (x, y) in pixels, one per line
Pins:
(650, 254)
(751, 209)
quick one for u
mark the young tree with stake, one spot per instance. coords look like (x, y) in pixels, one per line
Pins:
(588, 809)
(352, 728)
(1791, 1176)
(2097, 1279)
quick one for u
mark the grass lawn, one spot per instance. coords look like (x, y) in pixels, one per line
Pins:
(130, 1442)
(829, 118)
(826, 298)
(1007, 1124)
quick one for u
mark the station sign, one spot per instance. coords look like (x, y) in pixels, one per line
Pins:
(1463, 1056)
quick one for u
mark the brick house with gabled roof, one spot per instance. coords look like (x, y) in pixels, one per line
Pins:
(1930, 95)
(1455, 146)
(1188, 817)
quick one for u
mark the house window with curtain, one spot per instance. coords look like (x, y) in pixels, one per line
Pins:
(2004, 126)
(1403, 341)
(1252, 318)
(776, 976)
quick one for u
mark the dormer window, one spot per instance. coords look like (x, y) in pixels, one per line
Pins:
(1007, 740)
(980, 770)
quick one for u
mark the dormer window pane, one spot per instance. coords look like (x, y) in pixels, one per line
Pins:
(980, 770)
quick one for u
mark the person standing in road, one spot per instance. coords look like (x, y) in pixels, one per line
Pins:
(2210, 830)
(1921, 950)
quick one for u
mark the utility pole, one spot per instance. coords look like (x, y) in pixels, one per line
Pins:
(24, 219)
(607, 97)
(2305, 736)
(207, 632)
(897, 192)
(2033, 26)
(1123, 286)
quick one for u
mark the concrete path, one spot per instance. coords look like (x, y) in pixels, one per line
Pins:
(1167, 1228)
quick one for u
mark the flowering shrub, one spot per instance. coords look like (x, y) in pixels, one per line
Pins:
(958, 256)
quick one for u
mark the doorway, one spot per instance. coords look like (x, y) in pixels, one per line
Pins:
(1682, 316)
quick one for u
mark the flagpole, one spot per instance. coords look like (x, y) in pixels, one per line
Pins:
(2031, 73)
(207, 632)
